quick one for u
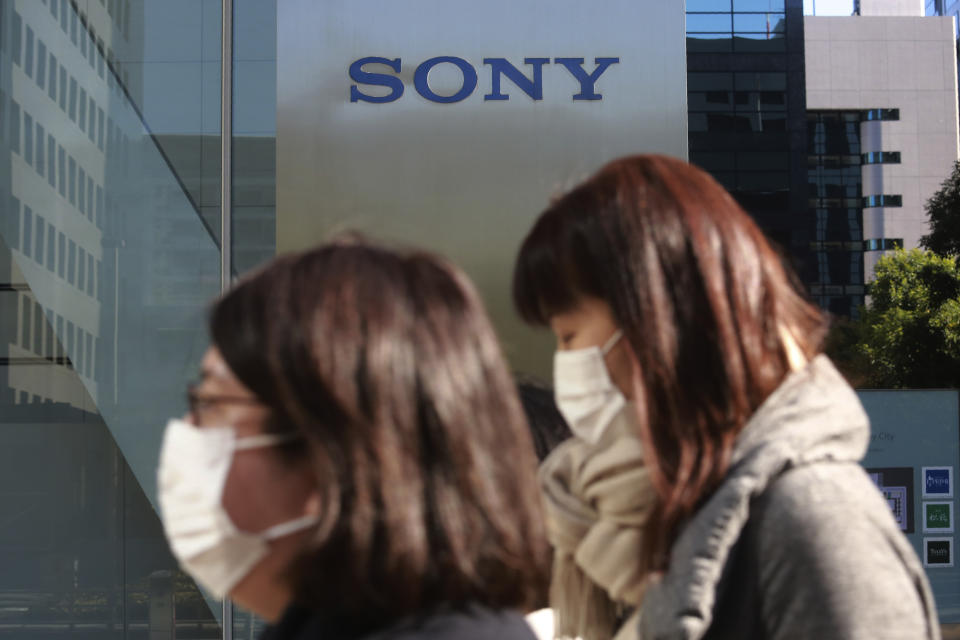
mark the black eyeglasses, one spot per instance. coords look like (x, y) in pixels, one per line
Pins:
(198, 403)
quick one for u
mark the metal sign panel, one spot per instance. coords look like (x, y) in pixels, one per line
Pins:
(451, 124)
(914, 449)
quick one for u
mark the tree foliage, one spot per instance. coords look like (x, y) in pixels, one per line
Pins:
(909, 335)
(943, 213)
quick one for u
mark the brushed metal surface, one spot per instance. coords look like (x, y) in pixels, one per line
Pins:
(465, 179)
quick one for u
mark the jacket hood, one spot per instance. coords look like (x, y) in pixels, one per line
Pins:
(812, 416)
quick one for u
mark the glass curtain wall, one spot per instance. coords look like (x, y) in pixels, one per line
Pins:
(109, 254)
(747, 112)
(836, 273)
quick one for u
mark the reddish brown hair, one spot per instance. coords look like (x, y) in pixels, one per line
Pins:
(386, 364)
(701, 297)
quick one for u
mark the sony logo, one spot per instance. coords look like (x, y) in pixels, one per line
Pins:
(530, 85)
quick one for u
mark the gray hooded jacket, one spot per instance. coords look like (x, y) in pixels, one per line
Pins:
(797, 542)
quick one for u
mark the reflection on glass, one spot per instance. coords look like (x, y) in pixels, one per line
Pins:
(105, 270)
(706, 22)
(709, 43)
(708, 5)
(255, 134)
(763, 23)
(758, 5)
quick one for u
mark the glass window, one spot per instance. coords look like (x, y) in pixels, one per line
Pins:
(28, 54)
(763, 160)
(881, 157)
(51, 156)
(72, 190)
(41, 76)
(51, 248)
(73, 99)
(883, 201)
(91, 125)
(82, 115)
(48, 338)
(709, 101)
(709, 43)
(40, 240)
(71, 353)
(711, 122)
(61, 255)
(714, 160)
(88, 370)
(760, 81)
(27, 310)
(27, 244)
(759, 43)
(707, 22)
(63, 89)
(16, 37)
(90, 274)
(81, 269)
(881, 114)
(766, 23)
(90, 198)
(72, 262)
(708, 5)
(37, 328)
(99, 205)
(758, 5)
(14, 126)
(81, 190)
(61, 334)
(52, 82)
(39, 161)
(28, 138)
(100, 119)
(763, 180)
(709, 81)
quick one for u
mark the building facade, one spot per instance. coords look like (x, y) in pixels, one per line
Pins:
(897, 76)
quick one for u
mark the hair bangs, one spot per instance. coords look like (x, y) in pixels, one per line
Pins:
(546, 280)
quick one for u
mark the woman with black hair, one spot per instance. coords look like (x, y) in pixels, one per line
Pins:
(665, 296)
(355, 462)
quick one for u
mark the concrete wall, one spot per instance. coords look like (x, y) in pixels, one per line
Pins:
(905, 63)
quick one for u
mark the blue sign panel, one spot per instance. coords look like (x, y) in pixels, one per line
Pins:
(937, 482)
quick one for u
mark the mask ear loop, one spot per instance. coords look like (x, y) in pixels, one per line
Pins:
(293, 526)
(611, 342)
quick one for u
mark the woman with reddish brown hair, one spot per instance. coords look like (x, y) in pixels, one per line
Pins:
(763, 524)
(355, 462)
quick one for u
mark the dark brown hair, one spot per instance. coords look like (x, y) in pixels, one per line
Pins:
(702, 299)
(386, 364)
(547, 425)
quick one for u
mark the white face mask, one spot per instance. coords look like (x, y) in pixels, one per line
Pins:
(585, 395)
(194, 463)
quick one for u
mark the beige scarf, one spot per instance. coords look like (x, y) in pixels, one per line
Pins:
(597, 499)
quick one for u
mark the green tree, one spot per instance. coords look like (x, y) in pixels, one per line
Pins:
(909, 335)
(943, 213)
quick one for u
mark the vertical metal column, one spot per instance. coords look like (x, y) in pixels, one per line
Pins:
(226, 192)
(226, 145)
